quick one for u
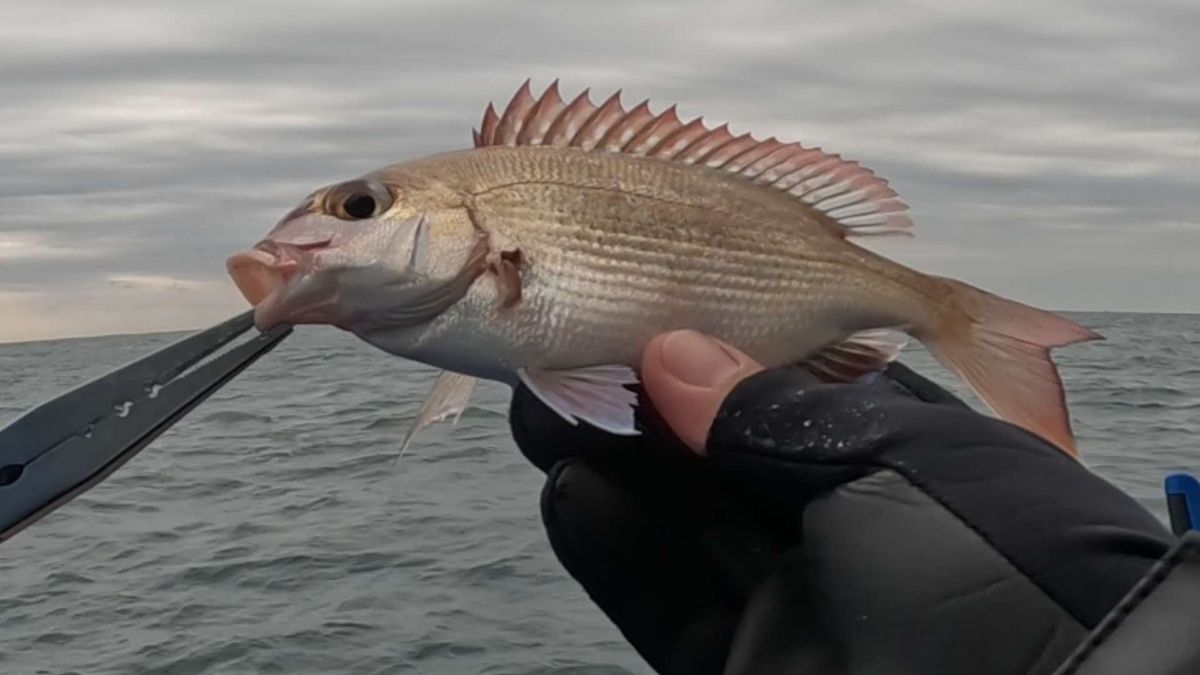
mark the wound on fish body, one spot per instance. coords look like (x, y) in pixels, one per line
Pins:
(572, 233)
(506, 265)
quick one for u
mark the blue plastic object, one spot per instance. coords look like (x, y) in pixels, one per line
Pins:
(1183, 502)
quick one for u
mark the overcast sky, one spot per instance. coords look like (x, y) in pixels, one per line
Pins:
(1050, 150)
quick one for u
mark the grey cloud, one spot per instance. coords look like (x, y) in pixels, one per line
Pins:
(1051, 152)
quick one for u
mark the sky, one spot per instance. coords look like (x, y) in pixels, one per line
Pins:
(1050, 151)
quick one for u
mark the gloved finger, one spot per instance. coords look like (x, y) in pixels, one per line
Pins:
(677, 611)
(688, 375)
(907, 381)
(1080, 539)
(671, 485)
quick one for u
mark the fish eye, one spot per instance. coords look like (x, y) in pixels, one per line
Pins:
(359, 200)
(359, 206)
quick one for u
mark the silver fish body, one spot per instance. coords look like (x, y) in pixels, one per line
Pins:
(617, 249)
(572, 233)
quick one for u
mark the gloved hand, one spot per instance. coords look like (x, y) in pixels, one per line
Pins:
(817, 528)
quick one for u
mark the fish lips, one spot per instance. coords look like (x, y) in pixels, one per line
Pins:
(281, 283)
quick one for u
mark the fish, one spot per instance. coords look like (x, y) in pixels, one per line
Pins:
(550, 251)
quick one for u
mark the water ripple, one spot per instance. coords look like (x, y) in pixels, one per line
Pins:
(273, 532)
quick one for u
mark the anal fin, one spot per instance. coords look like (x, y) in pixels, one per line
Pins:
(594, 394)
(860, 354)
(448, 398)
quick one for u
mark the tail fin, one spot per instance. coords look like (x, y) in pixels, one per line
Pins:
(1003, 352)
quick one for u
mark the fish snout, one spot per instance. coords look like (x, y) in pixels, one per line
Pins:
(258, 271)
(276, 278)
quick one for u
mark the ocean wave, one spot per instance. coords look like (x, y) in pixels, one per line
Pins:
(236, 417)
(273, 531)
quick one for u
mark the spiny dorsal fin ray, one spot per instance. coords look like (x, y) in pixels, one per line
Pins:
(850, 194)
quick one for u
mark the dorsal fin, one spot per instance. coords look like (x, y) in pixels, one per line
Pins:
(850, 194)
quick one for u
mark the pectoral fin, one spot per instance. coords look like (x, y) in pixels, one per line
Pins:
(448, 398)
(595, 394)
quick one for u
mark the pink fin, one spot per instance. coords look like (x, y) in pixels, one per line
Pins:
(487, 128)
(544, 113)
(851, 195)
(1003, 352)
(704, 145)
(598, 122)
(864, 352)
(515, 115)
(448, 398)
(678, 140)
(653, 133)
(569, 121)
(594, 394)
(626, 128)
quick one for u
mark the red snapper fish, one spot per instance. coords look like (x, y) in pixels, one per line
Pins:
(571, 234)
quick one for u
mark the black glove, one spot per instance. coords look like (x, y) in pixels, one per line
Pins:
(864, 528)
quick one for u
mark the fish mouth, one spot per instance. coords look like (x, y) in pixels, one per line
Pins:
(282, 283)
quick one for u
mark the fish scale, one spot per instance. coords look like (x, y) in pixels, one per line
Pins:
(740, 286)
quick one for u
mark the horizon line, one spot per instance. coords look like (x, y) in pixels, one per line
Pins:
(4, 342)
